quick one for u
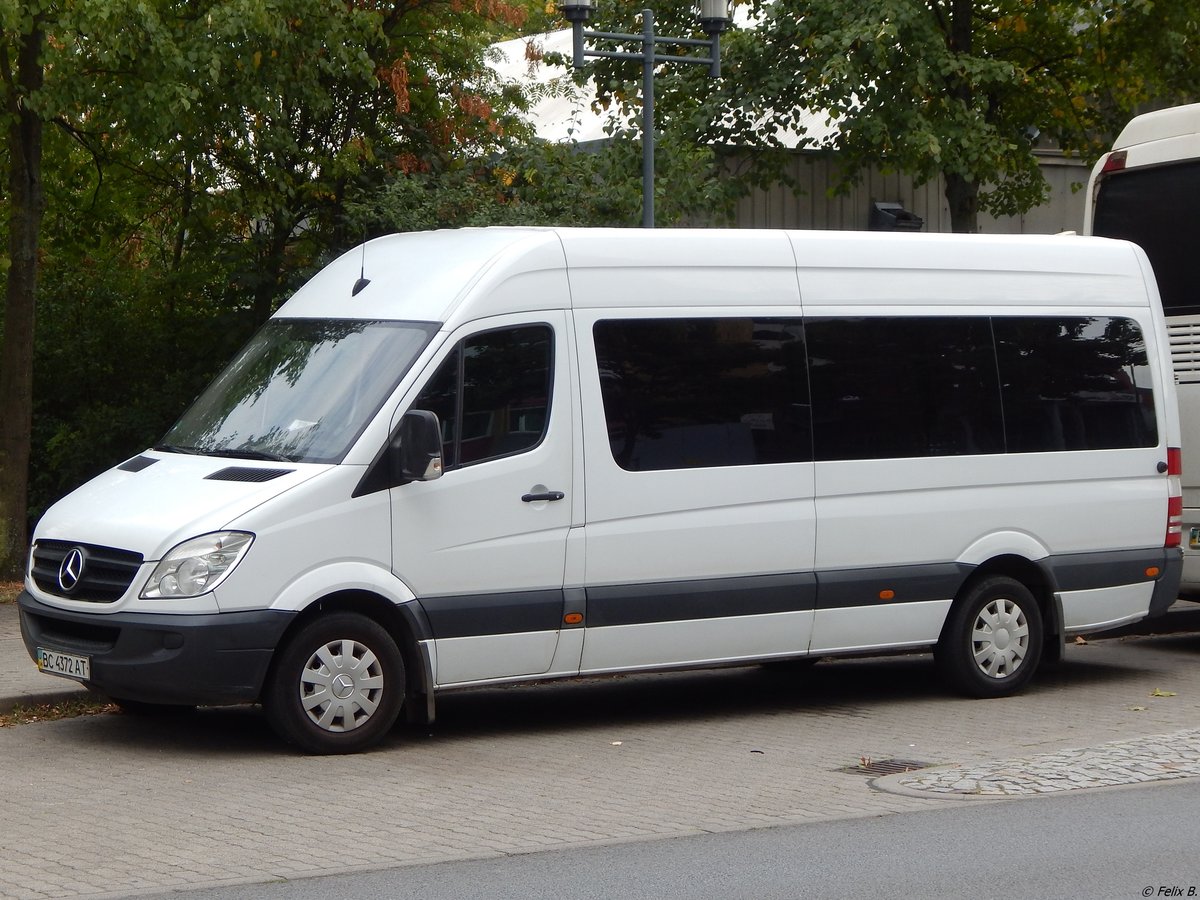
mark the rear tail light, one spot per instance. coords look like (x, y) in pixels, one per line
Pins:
(1114, 162)
(1174, 522)
(1175, 498)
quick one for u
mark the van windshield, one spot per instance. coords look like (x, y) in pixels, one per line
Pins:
(302, 390)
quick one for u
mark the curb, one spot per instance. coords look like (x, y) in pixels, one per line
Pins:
(42, 698)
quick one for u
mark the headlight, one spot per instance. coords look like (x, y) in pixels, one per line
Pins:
(197, 566)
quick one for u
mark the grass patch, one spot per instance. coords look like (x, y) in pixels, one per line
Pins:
(9, 591)
(52, 712)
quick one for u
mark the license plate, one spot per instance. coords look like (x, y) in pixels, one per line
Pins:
(1194, 539)
(66, 665)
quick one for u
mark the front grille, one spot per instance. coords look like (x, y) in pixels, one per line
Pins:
(82, 637)
(106, 575)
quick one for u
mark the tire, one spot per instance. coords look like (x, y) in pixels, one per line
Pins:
(337, 686)
(992, 641)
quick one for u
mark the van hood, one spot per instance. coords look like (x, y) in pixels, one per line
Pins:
(152, 502)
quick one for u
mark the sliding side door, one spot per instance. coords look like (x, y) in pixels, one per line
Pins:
(699, 485)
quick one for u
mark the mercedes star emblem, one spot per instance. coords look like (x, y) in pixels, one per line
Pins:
(71, 570)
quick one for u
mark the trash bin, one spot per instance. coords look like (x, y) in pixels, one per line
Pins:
(893, 217)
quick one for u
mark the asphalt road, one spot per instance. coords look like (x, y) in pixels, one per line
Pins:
(1117, 843)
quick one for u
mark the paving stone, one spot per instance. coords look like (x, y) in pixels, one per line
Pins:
(214, 798)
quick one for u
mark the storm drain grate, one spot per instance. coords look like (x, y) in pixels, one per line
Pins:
(873, 767)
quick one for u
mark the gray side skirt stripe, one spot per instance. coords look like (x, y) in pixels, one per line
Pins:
(677, 601)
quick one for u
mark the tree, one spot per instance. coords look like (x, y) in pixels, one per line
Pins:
(252, 118)
(22, 36)
(538, 183)
(946, 87)
(1146, 55)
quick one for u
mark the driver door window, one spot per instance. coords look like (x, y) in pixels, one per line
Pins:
(492, 394)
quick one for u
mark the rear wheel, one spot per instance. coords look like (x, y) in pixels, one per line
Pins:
(337, 686)
(992, 641)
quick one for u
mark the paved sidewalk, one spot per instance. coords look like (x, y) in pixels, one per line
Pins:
(115, 805)
(1142, 760)
(21, 684)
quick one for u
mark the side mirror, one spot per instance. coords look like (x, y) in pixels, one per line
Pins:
(420, 450)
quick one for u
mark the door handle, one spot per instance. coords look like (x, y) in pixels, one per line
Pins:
(547, 495)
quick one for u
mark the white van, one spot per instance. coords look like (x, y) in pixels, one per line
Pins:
(468, 457)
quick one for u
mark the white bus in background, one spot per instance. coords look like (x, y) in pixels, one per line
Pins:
(1147, 190)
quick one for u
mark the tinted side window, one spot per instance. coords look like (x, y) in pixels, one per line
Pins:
(903, 387)
(492, 394)
(689, 393)
(1074, 383)
(1155, 208)
(441, 397)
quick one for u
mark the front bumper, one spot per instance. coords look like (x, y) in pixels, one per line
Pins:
(209, 659)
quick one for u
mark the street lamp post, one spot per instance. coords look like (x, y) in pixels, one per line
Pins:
(715, 17)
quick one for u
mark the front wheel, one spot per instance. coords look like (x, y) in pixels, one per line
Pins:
(992, 640)
(336, 686)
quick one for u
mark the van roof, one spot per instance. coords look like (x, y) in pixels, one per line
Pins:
(428, 276)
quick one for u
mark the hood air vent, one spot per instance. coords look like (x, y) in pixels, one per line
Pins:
(246, 473)
(137, 464)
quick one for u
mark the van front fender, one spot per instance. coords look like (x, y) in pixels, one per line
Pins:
(338, 577)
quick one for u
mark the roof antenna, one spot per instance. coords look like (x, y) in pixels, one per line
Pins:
(363, 280)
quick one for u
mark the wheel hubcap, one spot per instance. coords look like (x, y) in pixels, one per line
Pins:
(341, 685)
(1000, 638)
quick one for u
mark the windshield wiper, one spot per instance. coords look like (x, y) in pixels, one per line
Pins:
(235, 454)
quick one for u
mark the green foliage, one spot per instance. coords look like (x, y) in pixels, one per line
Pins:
(248, 118)
(928, 88)
(1146, 54)
(203, 157)
(198, 155)
(123, 344)
(550, 184)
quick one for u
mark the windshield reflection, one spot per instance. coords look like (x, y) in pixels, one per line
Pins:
(302, 390)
